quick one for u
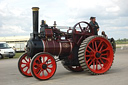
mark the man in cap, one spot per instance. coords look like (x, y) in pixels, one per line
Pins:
(94, 24)
(42, 29)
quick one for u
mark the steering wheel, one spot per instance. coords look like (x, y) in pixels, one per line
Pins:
(88, 30)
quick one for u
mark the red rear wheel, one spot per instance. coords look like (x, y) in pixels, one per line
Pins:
(96, 55)
(24, 65)
(43, 66)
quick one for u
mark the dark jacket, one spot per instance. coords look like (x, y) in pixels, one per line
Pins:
(95, 26)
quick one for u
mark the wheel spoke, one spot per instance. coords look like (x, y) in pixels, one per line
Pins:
(92, 45)
(38, 70)
(47, 71)
(105, 49)
(101, 61)
(43, 59)
(80, 27)
(96, 46)
(99, 64)
(24, 67)
(27, 70)
(39, 60)
(89, 55)
(101, 47)
(43, 73)
(29, 60)
(104, 54)
(93, 65)
(35, 64)
(90, 48)
(47, 60)
(96, 65)
(105, 58)
(23, 63)
(49, 64)
(100, 43)
(25, 60)
(50, 68)
(88, 51)
(91, 61)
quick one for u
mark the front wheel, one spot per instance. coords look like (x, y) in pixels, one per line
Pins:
(43, 66)
(24, 65)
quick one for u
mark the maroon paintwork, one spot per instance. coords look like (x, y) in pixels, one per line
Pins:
(57, 47)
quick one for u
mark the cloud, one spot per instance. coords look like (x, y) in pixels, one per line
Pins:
(16, 15)
(111, 15)
(13, 21)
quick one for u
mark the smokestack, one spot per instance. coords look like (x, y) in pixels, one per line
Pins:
(35, 21)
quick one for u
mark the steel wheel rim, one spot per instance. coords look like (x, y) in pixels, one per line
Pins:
(37, 66)
(99, 55)
(24, 65)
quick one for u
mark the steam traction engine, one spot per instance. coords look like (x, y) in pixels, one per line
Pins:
(78, 50)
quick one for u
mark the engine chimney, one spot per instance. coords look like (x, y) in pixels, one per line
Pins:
(35, 22)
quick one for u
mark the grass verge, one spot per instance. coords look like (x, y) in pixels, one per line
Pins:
(17, 55)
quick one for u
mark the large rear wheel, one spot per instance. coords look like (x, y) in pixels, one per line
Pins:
(96, 55)
(43, 66)
(24, 65)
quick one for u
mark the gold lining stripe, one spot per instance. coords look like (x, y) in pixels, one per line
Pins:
(60, 48)
(70, 45)
(43, 45)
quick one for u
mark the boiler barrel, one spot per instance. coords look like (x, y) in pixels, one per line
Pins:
(57, 47)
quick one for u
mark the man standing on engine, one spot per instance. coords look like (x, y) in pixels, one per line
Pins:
(94, 24)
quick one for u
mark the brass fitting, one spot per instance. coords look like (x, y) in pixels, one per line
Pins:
(35, 8)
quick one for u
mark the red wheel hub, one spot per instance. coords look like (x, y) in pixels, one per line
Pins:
(24, 65)
(99, 55)
(43, 66)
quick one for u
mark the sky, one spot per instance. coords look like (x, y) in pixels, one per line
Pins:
(111, 15)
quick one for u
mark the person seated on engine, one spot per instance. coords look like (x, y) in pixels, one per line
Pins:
(43, 26)
(94, 25)
(104, 34)
(42, 29)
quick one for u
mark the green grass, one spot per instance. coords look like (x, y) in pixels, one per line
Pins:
(121, 42)
(18, 55)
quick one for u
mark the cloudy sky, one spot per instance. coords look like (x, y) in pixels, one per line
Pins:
(16, 15)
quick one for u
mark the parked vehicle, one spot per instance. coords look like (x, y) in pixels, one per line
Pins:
(6, 51)
(19, 47)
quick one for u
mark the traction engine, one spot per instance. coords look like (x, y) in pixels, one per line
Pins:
(78, 49)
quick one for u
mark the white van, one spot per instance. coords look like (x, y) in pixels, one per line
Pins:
(6, 51)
